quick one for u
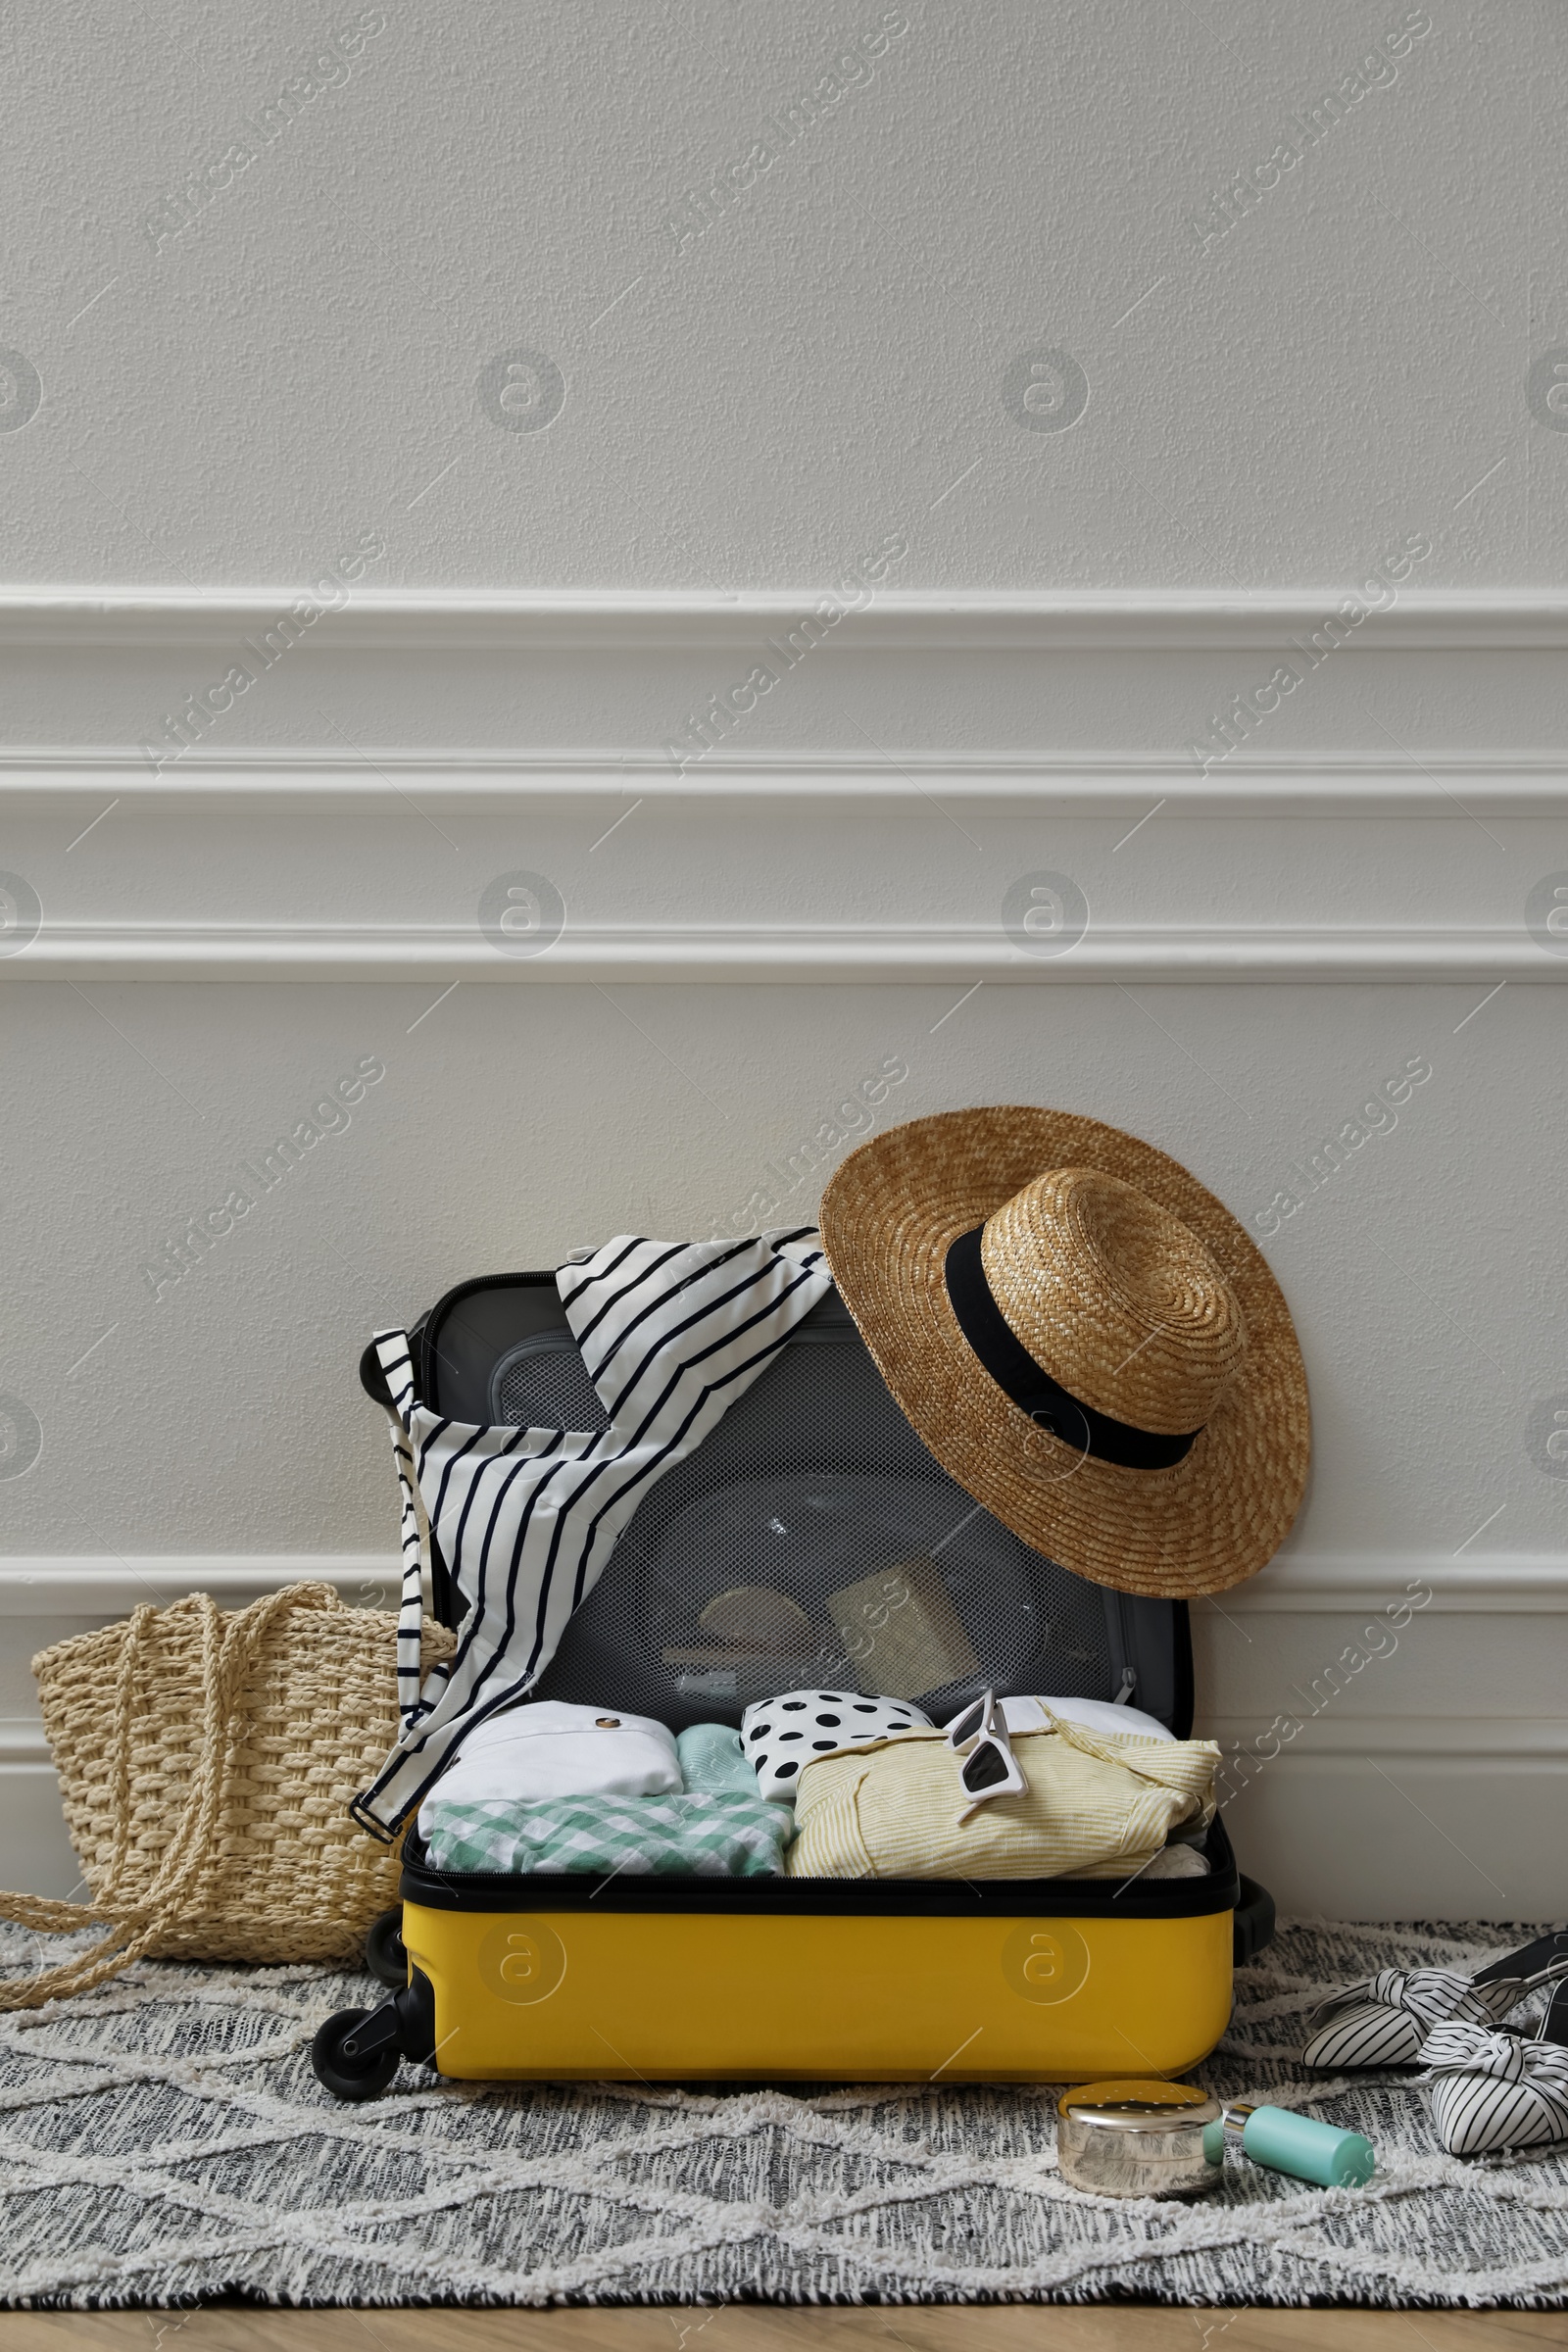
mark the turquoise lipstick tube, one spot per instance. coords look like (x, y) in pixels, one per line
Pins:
(1299, 2144)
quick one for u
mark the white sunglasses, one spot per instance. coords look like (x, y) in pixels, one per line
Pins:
(990, 1768)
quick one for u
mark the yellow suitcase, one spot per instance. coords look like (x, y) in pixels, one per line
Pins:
(567, 1977)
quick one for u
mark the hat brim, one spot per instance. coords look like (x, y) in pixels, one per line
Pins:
(889, 1217)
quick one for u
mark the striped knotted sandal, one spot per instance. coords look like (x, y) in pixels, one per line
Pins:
(1496, 2091)
(1386, 2019)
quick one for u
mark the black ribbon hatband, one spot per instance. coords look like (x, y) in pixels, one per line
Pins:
(1032, 1388)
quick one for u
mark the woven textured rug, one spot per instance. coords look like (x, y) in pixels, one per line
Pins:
(166, 2142)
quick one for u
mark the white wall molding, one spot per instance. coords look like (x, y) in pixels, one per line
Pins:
(1425, 1739)
(814, 954)
(47, 1584)
(214, 780)
(103, 1585)
(22, 1748)
(903, 620)
(1302, 1583)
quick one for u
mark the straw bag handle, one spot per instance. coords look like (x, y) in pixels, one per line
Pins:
(136, 1925)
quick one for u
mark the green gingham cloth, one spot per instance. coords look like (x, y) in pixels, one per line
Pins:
(727, 1836)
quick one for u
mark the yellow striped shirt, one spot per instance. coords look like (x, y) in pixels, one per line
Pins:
(1098, 1805)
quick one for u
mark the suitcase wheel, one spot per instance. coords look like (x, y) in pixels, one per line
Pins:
(385, 1954)
(348, 2070)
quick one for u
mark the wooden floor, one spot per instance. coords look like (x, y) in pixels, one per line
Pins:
(743, 2328)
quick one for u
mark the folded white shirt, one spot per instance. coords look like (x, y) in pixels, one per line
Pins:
(1098, 1714)
(546, 1748)
(1176, 1860)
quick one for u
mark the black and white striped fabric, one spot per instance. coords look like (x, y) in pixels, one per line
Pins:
(1492, 2090)
(1385, 2020)
(671, 1334)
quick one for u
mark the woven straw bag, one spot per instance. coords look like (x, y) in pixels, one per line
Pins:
(206, 1763)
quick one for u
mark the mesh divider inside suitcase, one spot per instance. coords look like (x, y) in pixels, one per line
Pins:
(544, 1384)
(812, 1540)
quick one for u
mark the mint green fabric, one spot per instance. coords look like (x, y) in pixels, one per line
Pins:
(712, 1761)
(728, 1836)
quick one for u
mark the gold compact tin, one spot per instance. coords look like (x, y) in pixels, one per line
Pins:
(1140, 2139)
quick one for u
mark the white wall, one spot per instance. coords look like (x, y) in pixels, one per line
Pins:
(303, 359)
(227, 931)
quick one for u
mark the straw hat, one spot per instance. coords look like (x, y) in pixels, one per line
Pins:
(1085, 1340)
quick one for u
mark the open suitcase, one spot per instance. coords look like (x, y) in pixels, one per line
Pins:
(811, 1482)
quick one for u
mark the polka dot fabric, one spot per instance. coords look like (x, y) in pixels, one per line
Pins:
(780, 1736)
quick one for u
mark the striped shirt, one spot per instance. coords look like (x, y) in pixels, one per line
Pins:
(672, 1334)
(1097, 1805)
